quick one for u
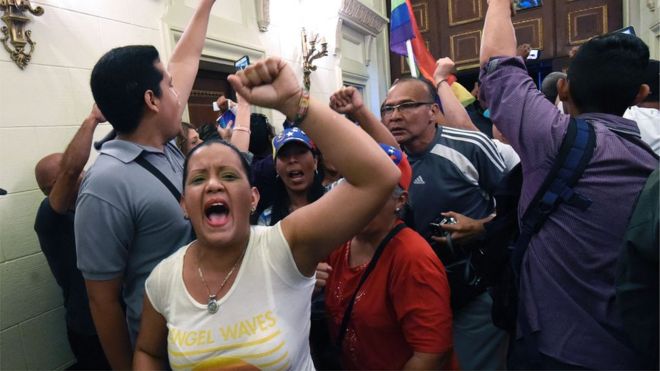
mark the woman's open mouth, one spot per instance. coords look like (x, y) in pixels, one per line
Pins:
(217, 214)
(296, 174)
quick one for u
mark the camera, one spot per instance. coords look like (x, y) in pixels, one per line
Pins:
(436, 230)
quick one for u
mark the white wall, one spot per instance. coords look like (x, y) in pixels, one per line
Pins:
(42, 106)
(644, 15)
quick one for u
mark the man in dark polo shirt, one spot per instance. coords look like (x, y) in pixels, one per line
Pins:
(58, 176)
(566, 314)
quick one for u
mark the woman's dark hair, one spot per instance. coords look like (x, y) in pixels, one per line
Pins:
(261, 136)
(208, 131)
(119, 80)
(244, 162)
(182, 137)
(281, 201)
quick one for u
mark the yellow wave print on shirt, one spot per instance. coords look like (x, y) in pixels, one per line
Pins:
(224, 363)
(226, 347)
(274, 358)
(232, 363)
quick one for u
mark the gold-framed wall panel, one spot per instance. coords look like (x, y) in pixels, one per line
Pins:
(571, 20)
(452, 48)
(479, 9)
(539, 26)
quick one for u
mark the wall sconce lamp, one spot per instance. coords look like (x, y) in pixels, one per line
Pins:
(310, 53)
(14, 32)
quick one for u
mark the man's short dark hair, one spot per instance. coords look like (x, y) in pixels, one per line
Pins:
(119, 80)
(430, 89)
(606, 73)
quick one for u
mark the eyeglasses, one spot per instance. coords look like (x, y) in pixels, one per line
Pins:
(403, 108)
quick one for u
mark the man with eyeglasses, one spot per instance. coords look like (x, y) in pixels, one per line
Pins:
(455, 172)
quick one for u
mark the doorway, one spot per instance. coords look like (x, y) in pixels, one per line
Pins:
(210, 83)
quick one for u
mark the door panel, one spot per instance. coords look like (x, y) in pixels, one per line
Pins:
(208, 86)
(453, 28)
(578, 21)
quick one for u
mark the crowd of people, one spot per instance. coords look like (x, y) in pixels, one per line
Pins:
(502, 235)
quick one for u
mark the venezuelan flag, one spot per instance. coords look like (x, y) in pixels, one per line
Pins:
(403, 30)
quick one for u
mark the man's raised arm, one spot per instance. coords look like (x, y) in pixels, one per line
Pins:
(453, 110)
(499, 37)
(184, 63)
(74, 159)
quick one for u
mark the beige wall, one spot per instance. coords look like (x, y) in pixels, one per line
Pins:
(42, 106)
(40, 110)
(644, 15)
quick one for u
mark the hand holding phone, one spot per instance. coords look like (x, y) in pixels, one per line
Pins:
(222, 104)
(534, 54)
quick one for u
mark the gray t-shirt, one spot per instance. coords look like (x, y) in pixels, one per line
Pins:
(127, 221)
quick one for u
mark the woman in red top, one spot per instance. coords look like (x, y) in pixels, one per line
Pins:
(401, 316)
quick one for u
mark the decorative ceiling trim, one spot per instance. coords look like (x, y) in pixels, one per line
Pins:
(362, 17)
(263, 14)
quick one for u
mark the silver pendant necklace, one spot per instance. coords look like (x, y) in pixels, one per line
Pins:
(212, 305)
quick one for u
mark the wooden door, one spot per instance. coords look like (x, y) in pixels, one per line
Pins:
(453, 28)
(209, 85)
(580, 20)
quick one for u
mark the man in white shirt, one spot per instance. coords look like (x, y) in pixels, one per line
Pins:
(647, 113)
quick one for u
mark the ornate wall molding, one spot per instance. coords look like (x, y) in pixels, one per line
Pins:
(338, 36)
(363, 19)
(361, 16)
(263, 14)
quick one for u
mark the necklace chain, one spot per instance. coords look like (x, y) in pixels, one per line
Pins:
(212, 301)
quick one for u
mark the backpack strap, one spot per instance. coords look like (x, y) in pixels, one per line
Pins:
(574, 155)
(140, 160)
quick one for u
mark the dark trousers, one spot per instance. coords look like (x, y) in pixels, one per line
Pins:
(525, 356)
(88, 352)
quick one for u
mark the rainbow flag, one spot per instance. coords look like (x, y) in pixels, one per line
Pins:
(403, 30)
